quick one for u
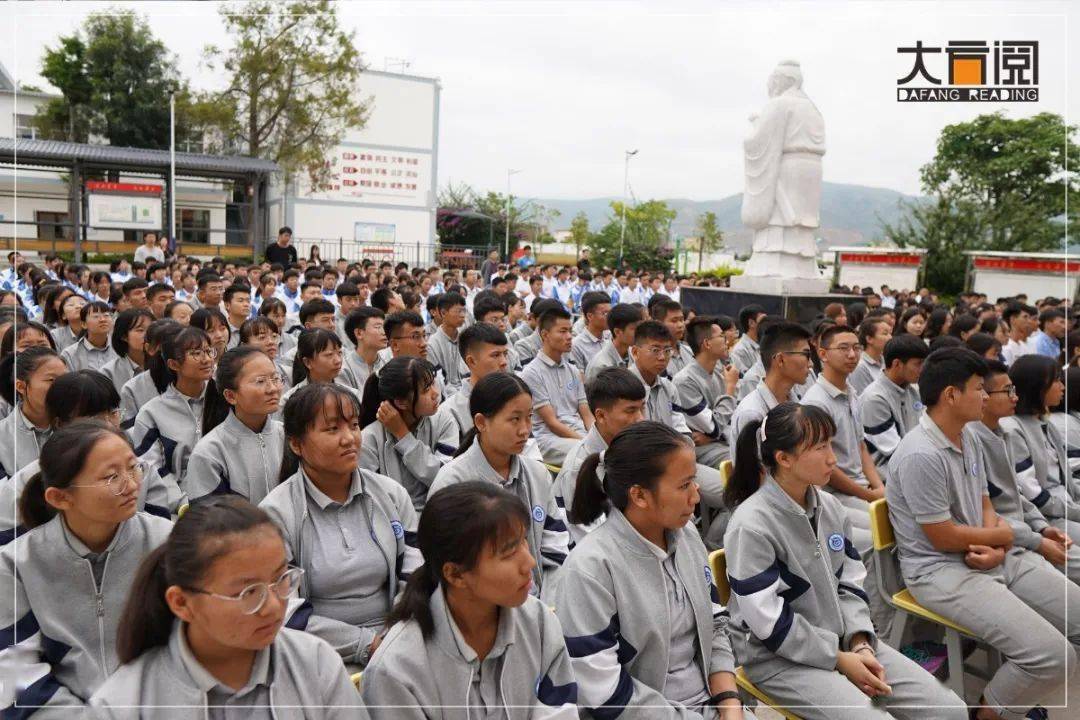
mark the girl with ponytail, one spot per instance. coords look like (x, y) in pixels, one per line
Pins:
(206, 614)
(501, 407)
(800, 616)
(403, 437)
(240, 450)
(64, 581)
(69, 325)
(147, 385)
(351, 530)
(25, 378)
(459, 611)
(641, 617)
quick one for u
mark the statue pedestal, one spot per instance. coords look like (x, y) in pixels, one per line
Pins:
(800, 307)
(776, 285)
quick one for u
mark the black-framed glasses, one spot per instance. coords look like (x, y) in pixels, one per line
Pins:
(1009, 390)
(252, 598)
(808, 354)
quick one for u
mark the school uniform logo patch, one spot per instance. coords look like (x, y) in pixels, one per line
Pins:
(919, 407)
(708, 575)
(398, 528)
(836, 542)
(538, 513)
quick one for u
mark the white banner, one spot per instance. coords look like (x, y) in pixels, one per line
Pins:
(391, 177)
(133, 212)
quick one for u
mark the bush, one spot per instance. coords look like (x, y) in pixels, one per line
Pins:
(721, 273)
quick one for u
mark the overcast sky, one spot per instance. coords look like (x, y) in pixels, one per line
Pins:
(560, 90)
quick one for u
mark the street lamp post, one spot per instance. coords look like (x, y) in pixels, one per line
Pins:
(172, 168)
(506, 245)
(626, 192)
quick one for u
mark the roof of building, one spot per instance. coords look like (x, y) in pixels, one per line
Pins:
(54, 153)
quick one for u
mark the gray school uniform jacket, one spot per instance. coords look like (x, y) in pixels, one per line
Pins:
(566, 481)
(707, 409)
(522, 331)
(308, 680)
(433, 678)
(867, 371)
(81, 355)
(607, 356)
(584, 347)
(135, 393)
(120, 370)
(62, 336)
(170, 424)
(1068, 427)
(745, 353)
(392, 520)
(1042, 466)
(888, 413)
(455, 409)
(796, 589)
(20, 442)
(413, 461)
(661, 402)
(58, 644)
(549, 540)
(528, 347)
(613, 607)
(1026, 520)
(683, 356)
(354, 371)
(232, 458)
(443, 354)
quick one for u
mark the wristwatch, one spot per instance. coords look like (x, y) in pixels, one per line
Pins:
(720, 697)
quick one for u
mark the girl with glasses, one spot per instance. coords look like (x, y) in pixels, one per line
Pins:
(240, 450)
(167, 428)
(203, 633)
(466, 632)
(261, 333)
(25, 378)
(216, 325)
(63, 583)
(145, 386)
(351, 530)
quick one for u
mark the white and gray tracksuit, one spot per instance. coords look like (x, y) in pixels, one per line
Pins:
(415, 459)
(1024, 608)
(168, 427)
(135, 393)
(888, 413)
(754, 407)
(745, 353)
(456, 410)
(566, 481)
(867, 371)
(607, 356)
(1026, 520)
(296, 670)
(549, 540)
(1068, 427)
(20, 442)
(643, 626)
(82, 355)
(527, 669)
(797, 600)
(522, 331)
(756, 375)
(120, 370)
(528, 347)
(682, 357)
(444, 355)
(232, 458)
(1042, 470)
(707, 409)
(356, 555)
(60, 608)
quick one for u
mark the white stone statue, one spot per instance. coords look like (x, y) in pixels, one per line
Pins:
(783, 188)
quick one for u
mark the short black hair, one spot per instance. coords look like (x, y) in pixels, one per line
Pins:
(484, 306)
(1015, 308)
(551, 316)
(450, 299)
(381, 298)
(347, 289)
(826, 336)
(233, 289)
(397, 319)
(480, 333)
(358, 318)
(780, 336)
(316, 306)
(699, 330)
(611, 385)
(206, 277)
(623, 315)
(748, 313)
(1047, 315)
(653, 330)
(1032, 376)
(903, 348)
(133, 284)
(590, 300)
(663, 307)
(158, 288)
(949, 367)
(868, 328)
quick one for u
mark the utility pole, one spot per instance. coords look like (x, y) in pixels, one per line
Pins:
(626, 192)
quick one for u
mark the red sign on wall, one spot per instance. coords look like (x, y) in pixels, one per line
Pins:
(876, 259)
(1039, 265)
(123, 188)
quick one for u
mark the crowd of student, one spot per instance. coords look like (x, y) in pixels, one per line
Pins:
(226, 488)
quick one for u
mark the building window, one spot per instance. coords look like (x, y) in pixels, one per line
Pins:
(24, 127)
(194, 226)
(50, 225)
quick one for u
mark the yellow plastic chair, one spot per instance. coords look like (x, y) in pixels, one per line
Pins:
(726, 469)
(890, 582)
(718, 567)
(181, 510)
(356, 677)
(553, 469)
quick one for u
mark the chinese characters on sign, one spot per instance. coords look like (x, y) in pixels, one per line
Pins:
(971, 71)
(394, 177)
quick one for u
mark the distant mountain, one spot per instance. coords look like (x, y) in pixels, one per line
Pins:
(850, 214)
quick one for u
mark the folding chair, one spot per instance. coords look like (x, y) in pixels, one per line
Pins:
(553, 469)
(891, 585)
(718, 567)
(356, 677)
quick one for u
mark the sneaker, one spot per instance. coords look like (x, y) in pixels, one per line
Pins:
(1037, 713)
(926, 656)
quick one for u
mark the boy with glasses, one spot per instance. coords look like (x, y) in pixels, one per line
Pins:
(707, 404)
(786, 357)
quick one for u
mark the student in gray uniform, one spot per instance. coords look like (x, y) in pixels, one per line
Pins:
(64, 582)
(491, 308)
(365, 337)
(595, 307)
(484, 350)
(83, 395)
(746, 351)
(670, 313)
(216, 325)
(476, 578)
(956, 554)
(145, 386)
(317, 313)
(1030, 527)
(706, 404)
(92, 351)
(351, 531)
(274, 309)
(242, 445)
(401, 438)
(237, 301)
(203, 634)
(24, 335)
(128, 342)
(318, 360)
(786, 355)
(1066, 418)
(642, 619)
(874, 334)
(70, 324)
(501, 405)
(167, 428)
(617, 401)
(25, 378)
(890, 405)
(528, 347)
(261, 333)
(442, 345)
(615, 351)
(800, 620)
(1037, 448)
(561, 415)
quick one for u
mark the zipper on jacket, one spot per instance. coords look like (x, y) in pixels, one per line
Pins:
(820, 553)
(99, 609)
(262, 451)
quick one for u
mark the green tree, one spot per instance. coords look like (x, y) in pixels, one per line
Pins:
(292, 74)
(65, 67)
(527, 218)
(648, 227)
(710, 238)
(579, 232)
(994, 184)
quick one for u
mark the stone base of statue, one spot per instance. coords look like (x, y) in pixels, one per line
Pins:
(783, 262)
